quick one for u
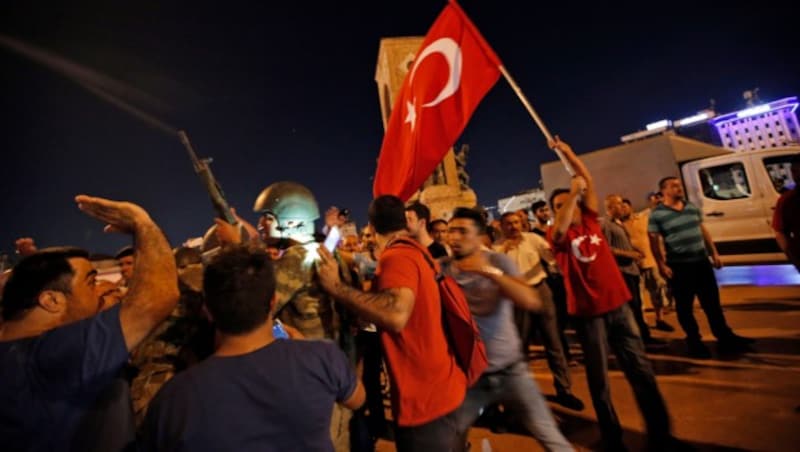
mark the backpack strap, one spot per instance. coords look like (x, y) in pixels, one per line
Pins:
(416, 245)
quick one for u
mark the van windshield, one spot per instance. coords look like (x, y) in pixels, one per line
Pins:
(725, 182)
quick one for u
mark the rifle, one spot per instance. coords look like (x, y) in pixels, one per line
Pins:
(202, 168)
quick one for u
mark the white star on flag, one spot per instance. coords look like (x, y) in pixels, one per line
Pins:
(594, 239)
(411, 114)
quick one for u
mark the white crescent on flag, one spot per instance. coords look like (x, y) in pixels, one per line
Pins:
(452, 53)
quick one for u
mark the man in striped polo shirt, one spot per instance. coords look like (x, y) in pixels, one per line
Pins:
(688, 269)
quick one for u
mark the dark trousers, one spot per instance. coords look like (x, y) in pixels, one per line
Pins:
(440, 434)
(618, 330)
(632, 281)
(547, 324)
(697, 279)
(365, 428)
(556, 284)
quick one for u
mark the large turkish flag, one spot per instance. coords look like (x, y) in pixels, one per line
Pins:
(453, 70)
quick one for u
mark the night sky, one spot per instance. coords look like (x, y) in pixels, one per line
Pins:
(285, 91)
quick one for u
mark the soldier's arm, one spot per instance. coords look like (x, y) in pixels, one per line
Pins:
(289, 278)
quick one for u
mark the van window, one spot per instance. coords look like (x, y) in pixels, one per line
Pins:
(725, 182)
(779, 171)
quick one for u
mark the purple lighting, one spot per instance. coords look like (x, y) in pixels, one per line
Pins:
(758, 275)
(764, 126)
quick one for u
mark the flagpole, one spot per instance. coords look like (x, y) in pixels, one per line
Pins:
(535, 116)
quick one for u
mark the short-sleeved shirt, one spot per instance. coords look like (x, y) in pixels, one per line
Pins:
(683, 238)
(277, 398)
(593, 281)
(493, 312)
(530, 256)
(426, 380)
(49, 382)
(618, 238)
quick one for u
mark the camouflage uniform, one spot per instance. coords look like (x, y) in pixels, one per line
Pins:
(182, 340)
(303, 304)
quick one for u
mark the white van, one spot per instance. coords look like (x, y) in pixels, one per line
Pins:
(736, 191)
(737, 195)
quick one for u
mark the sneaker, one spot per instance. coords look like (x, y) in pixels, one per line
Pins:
(664, 326)
(698, 350)
(568, 400)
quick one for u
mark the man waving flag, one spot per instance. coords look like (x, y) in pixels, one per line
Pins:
(452, 71)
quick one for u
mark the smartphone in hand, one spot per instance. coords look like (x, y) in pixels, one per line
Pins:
(332, 240)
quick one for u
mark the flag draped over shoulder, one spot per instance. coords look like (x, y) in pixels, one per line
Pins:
(452, 71)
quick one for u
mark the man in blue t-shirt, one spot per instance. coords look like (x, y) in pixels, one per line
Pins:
(256, 393)
(59, 350)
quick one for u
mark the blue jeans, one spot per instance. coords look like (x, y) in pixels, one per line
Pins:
(618, 329)
(516, 389)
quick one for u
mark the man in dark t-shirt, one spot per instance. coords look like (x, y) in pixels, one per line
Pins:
(59, 350)
(256, 393)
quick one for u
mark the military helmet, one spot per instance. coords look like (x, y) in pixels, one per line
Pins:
(287, 201)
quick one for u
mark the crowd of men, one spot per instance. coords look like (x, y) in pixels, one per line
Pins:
(274, 342)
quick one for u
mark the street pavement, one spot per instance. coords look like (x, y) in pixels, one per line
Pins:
(747, 401)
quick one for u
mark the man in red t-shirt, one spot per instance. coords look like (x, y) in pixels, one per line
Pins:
(786, 219)
(427, 384)
(597, 297)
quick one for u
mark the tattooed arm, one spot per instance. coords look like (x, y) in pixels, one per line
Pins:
(389, 309)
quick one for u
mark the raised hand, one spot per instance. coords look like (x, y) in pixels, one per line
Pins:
(119, 216)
